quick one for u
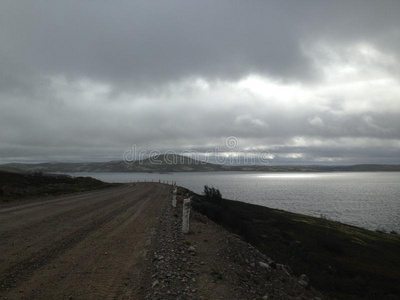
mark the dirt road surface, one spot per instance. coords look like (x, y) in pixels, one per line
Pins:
(89, 245)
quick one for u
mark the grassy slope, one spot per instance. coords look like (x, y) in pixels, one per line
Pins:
(344, 261)
(15, 186)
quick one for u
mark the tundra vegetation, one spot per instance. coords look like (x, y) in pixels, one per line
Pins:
(345, 262)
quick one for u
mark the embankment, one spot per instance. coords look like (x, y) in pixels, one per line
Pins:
(344, 261)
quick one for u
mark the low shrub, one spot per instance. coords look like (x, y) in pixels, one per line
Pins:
(212, 193)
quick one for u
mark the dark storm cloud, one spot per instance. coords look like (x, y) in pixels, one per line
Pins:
(152, 41)
(89, 78)
(137, 42)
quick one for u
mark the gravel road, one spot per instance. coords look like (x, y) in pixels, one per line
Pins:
(90, 245)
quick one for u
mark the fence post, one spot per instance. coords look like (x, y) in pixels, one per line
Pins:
(174, 198)
(186, 215)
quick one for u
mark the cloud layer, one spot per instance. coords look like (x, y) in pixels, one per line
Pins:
(313, 82)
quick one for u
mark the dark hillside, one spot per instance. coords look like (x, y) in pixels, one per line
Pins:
(344, 261)
(16, 186)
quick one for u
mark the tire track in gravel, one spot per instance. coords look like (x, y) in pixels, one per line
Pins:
(6, 209)
(113, 285)
(33, 237)
(14, 275)
(9, 224)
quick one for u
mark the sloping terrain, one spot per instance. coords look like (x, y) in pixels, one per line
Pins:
(211, 263)
(344, 261)
(22, 185)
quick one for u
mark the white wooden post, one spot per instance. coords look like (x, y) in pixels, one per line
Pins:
(186, 215)
(174, 198)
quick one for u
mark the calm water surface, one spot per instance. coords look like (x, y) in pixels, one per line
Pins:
(369, 200)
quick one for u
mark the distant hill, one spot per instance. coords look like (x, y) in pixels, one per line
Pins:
(22, 185)
(160, 163)
(177, 163)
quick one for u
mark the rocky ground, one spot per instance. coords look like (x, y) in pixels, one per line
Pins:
(210, 263)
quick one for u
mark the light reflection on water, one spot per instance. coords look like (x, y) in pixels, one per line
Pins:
(288, 176)
(370, 200)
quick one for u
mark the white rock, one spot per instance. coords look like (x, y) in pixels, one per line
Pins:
(265, 266)
(304, 281)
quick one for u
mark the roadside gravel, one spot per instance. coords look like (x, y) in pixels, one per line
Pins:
(211, 263)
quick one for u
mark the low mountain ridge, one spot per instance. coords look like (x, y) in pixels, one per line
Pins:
(166, 163)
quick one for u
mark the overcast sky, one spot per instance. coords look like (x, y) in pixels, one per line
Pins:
(312, 82)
